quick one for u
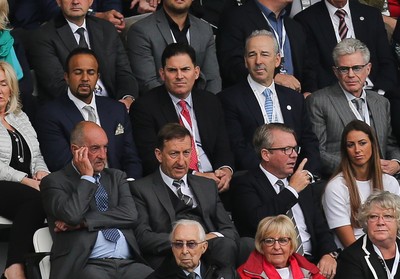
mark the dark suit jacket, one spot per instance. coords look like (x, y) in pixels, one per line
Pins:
(368, 28)
(170, 270)
(253, 198)
(70, 199)
(155, 109)
(243, 116)
(237, 24)
(56, 120)
(360, 260)
(156, 212)
(54, 41)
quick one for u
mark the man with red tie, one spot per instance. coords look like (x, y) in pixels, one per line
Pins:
(199, 111)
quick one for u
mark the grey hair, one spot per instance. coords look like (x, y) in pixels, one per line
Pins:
(263, 32)
(383, 199)
(263, 136)
(350, 46)
(186, 222)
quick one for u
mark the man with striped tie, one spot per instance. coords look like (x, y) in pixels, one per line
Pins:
(275, 188)
(90, 213)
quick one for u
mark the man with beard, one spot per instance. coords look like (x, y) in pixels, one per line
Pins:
(247, 106)
(57, 118)
(172, 24)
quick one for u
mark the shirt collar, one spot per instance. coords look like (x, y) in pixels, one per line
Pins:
(259, 88)
(188, 100)
(350, 96)
(168, 180)
(80, 104)
(272, 178)
(268, 13)
(175, 26)
(332, 9)
(75, 27)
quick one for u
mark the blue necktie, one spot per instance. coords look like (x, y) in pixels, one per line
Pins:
(101, 197)
(269, 107)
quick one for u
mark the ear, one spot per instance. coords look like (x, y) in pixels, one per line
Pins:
(162, 73)
(74, 147)
(157, 152)
(335, 71)
(66, 77)
(369, 67)
(265, 155)
(278, 60)
(197, 71)
(204, 247)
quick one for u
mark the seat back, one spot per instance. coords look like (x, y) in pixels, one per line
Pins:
(42, 242)
(5, 223)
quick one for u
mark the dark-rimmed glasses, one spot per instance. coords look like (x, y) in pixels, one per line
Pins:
(269, 241)
(288, 150)
(188, 244)
(345, 69)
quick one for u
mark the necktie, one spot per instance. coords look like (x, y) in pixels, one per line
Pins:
(191, 275)
(193, 165)
(82, 40)
(358, 102)
(186, 199)
(91, 114)
(269, 107)
(101, 198)
(289, 214)
(340, 13)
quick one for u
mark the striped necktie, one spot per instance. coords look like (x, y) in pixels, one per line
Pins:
(185, 198)
(269, 106)
(289, 214)
(340, 13)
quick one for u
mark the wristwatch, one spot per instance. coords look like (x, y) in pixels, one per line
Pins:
(334, 254)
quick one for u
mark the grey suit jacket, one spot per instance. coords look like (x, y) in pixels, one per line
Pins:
(156, 212)
(147, 40)
(70, 199)
(329, 112)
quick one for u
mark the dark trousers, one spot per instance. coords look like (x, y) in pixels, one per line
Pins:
(23, 205)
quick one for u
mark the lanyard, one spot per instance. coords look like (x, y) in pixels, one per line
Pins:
(392, 273)
(280, 44)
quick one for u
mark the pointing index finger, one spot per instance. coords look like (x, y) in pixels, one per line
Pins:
(301, 165)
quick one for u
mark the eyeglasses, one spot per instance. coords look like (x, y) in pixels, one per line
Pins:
(271, 241)
(345, 70)
(385, 217)
(189, 244)
(287, 150)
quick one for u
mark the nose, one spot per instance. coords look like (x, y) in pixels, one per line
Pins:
(184, 250)
(258, 59)
(357, 148)
(351, 72)
(179, 74)
(276, 245)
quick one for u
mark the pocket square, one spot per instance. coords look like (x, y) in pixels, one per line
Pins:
(119, 130)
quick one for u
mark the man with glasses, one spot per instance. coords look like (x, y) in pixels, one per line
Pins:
(333, 107)
(188, 243)
(171, 193)
(274, 188)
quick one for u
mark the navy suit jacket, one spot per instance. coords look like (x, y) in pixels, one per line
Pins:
(243, 116)
(155, 109)
(52, 44)
(56, 120)
(254, 198)
(237, 24)
(368, 28)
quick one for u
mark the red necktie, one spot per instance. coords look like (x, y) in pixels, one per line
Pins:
(193, 165)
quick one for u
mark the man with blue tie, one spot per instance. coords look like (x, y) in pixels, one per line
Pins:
(90, 213)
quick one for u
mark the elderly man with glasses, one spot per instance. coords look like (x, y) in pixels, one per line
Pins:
(332, 108)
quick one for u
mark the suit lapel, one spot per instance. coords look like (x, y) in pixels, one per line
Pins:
(256, 15)
(327, 28)
(161, 192)
(375, 108)
(70, 110)
(200, 111)
(358, 20)
(285, 102)
(252, 104)
(167, 106)
(65, 33)
(340, 104)
(163, 26)
(263, 183)
(194, 29)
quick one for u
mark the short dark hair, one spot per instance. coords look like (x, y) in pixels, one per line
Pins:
(178, 48)
(171, 131)
(79, 51)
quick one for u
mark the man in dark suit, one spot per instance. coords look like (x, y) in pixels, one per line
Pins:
(274, 188)
(244, 105)
(56, 39)
(238, 23)
(171, 193)
(202, 115)
(364, 23)
(57, 118)
(333, 107)
(188, 241)
(91, 213)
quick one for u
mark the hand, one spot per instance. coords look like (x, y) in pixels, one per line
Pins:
(306, 94)
(210, 236)
(300, 179)
(327, 266)
(128, 101)
(39, 175)
(31, 183)
(390, 166)
(81, 161)
(61, 226)
(225, 176)
(288, 81)
(145, 6)
(114, 17)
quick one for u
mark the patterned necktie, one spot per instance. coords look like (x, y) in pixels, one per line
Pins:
(194, 161)
(91, 114)
(101, 197)
(191, 275)
(340, 13)
(358, 102)
(82, 40)
(289, 214)
(186, 199)
(269, 107)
